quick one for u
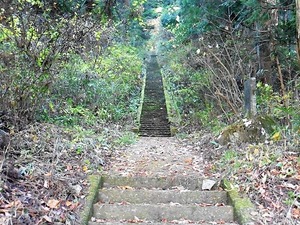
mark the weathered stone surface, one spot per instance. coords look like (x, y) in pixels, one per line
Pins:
(162, 196)
(243, 207)
(160, 212)
(95, 183)
(154, 116)
(253, 130)
(208, 184)
(161, 223)
(186, 182)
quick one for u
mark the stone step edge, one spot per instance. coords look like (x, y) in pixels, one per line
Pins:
(243, 208)
(158, 223)
(95, 183)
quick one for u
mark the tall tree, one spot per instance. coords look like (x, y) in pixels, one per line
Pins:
(298, 28)
(265, 32)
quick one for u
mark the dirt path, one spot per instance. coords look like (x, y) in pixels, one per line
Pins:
(158, 156)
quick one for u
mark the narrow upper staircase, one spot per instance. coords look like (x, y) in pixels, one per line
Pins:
(154, 118)
(160, 200)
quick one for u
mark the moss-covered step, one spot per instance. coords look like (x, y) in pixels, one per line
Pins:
(95, 182)
(243, 207)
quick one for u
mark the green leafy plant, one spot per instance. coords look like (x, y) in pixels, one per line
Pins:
(281, 107)
(127, 138)
(292, 196)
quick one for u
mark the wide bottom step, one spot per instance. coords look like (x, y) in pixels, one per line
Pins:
(163, 212)
(160, 223)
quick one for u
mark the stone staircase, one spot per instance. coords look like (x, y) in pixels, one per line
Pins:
(159, 200)
(154, 117)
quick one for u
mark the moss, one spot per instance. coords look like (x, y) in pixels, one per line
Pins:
(242, 206)
(252, 131)
(174, 130)
(135, 130)
(96, 182)
(139, 113)
(172, 110)
(268, 123)
(151, 107)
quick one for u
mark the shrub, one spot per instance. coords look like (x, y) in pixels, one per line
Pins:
(107, 89)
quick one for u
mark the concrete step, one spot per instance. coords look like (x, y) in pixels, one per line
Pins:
(181, 182)
(139, 196)
(154, 131)
(159, 129)
(161, 212)
(162, 196)
(159, 223)
(163, 125)
(154, 135)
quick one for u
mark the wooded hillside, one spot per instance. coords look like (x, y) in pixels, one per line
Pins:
(71, 79)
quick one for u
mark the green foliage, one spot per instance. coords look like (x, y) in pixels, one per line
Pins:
(207, 117)
(170, 17)
(214, 34)
(229, 155)
(64, 64)
(197, 17)
(187, 87)
(106, 90)
(291, 198)
(127, 138)
(30, 46)
(230, 160)
(281, 107)
(71, 5)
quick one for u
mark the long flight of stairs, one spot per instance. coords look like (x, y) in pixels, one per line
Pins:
(154, 119)
(159, 200)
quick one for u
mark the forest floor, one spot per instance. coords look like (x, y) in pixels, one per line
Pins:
(266, 173)
(158, 156)
(44, 181)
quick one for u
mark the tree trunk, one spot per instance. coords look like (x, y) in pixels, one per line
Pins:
(266, 41)
(298, 28)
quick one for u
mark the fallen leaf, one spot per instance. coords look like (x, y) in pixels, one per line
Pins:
(47, 218)
(74, 206)
(46, 184)
(85, 168)
(68, 203)
(189, 161)
(34, 138)
(77, 189)
(126, 188)
(53, 203)
(69, 167)
(14, 204)
(276, 136)
(48, 174)
(296, 213)
(256, 151)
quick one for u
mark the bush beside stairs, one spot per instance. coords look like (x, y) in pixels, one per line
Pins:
(158, 200)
